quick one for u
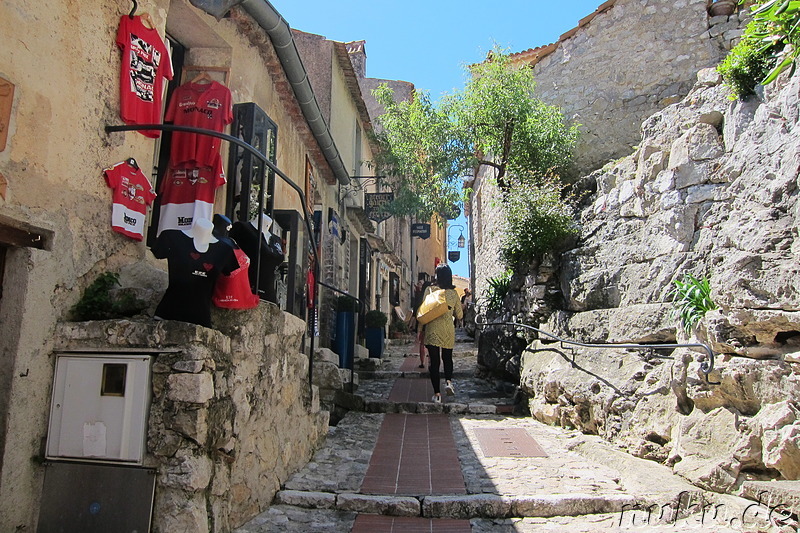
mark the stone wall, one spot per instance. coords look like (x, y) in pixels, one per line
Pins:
(224, 406)
(713, 190)
(624, 62)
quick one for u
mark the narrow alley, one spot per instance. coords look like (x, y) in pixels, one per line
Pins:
(403, 463)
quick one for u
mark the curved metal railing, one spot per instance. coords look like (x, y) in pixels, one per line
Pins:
(705, 366)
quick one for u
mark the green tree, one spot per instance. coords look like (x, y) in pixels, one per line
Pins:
(494, 121)
(422, 153)
(510, 130)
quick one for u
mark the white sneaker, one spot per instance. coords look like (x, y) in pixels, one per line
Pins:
(449, 390)
(436, 399)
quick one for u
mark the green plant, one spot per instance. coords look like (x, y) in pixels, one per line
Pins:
(769, 46)
(375, 319)
(497, 291)
(98, 304)
(691, 300)
(398, 326)
(746, 65)
(537, 220)
(346, 304)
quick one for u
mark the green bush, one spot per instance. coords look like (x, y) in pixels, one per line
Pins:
(538, 220)
(497, 291)
(96, 303)
(770, 45)
(375, 319)
(346, 304)
(691, 300)
(745, 66)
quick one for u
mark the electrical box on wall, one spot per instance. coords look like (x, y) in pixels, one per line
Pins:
(99, 407)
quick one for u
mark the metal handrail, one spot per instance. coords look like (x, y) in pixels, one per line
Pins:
(705, 366)
(263, 158)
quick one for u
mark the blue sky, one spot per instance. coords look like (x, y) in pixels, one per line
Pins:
(428, 42)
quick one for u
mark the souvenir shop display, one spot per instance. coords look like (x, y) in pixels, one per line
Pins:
(145, 65)
(188, 193)
(195, 166)
(195, 259)
(132, 194)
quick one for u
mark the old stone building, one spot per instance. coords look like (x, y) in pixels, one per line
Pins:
(653, 49)
(711, 189)
(222, 401)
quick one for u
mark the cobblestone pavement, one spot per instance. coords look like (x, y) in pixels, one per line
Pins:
(583, 485)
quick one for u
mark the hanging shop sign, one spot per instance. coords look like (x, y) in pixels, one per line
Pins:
(375, 205)
(333, 223)
(421, 230)
(453, 256)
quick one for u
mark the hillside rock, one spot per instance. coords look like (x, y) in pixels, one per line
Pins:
(712, 189)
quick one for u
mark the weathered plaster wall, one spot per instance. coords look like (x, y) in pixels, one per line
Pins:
(64, 62)
(232, 414)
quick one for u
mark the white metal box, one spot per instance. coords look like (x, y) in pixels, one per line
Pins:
(99, 407)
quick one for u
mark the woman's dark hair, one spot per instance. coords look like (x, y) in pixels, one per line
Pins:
(444, 277)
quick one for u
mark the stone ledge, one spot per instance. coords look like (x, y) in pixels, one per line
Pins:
(306, 499)
(378, 504)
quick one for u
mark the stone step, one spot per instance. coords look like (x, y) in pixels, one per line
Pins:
(468, 506)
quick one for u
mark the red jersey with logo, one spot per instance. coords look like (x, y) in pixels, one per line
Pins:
(199, 105)
(145, 64)
(186, 193)
(132, 194)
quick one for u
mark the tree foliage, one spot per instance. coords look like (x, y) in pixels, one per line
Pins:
(538, 220)
(494, 121)
(422, 153)
(510, 130)
(769, 46)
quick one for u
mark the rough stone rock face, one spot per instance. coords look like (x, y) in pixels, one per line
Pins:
(232, 413)
(712, 189)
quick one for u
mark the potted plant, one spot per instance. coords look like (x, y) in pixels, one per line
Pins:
(345, 338)
(397, 328)
(375, 324)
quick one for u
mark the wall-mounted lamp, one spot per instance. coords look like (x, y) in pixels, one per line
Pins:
(461, 240)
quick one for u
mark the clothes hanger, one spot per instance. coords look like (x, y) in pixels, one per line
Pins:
(144, 17)
(203, 77)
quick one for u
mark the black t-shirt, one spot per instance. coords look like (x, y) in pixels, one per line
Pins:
(247, 237)
(192, 276)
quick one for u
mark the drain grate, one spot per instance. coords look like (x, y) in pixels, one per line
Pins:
(508, 442)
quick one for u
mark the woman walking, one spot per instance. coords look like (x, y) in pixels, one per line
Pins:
(440, 334)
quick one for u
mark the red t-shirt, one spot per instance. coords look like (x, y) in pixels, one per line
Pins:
(199, 105)
(145, 64)
(132, 193)
(187, 193)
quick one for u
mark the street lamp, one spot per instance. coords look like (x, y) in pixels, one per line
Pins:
(461, 240)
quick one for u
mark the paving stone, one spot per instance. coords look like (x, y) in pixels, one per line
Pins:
(372, 504)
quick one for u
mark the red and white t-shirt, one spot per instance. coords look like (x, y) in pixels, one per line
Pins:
(186, 193)
(132, 194)
(145, 64)
(199, 105)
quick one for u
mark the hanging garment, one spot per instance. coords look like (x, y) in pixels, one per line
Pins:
(192, 276)
(132, 194)
(199, 105)
(145, 65)
(246, 236)
(187, 193)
